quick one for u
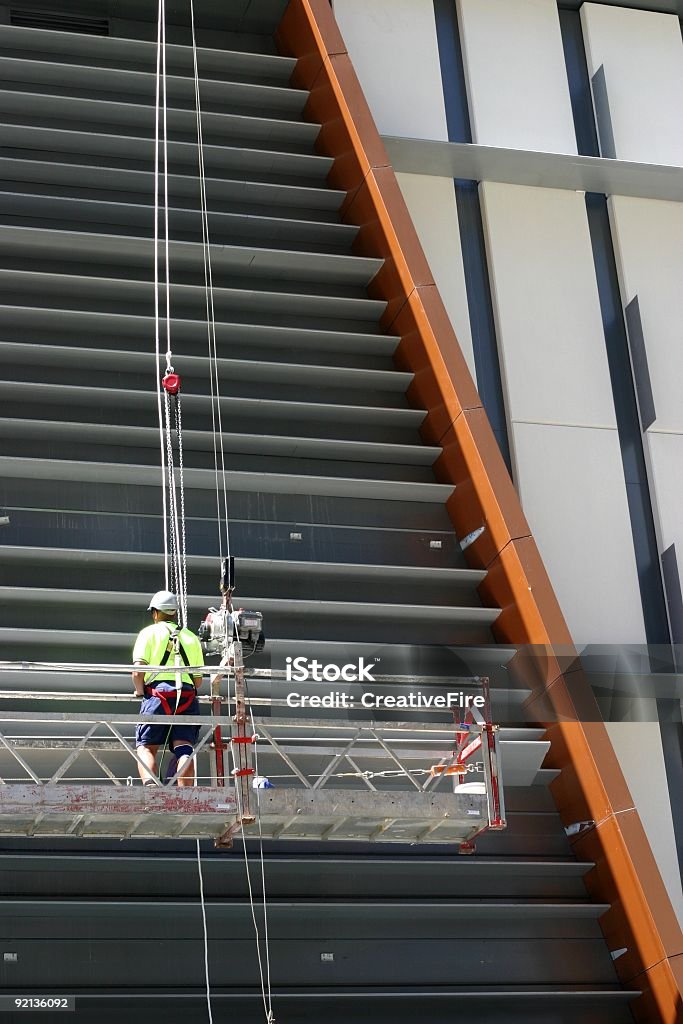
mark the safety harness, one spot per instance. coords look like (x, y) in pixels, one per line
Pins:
(185, 692)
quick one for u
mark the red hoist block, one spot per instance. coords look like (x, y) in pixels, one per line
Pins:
(171, 383)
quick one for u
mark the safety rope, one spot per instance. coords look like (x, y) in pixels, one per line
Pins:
(157, 332)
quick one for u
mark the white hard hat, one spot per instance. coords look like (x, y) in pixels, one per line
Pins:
(163, 601)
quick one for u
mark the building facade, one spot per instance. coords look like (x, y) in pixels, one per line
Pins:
(562, 278)
(380, 503)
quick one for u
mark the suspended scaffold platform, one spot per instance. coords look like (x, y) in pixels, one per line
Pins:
(66, 773)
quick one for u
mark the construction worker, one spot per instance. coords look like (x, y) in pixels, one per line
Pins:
(163, 643)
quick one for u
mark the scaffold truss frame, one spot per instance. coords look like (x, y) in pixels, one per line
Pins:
(335, 778)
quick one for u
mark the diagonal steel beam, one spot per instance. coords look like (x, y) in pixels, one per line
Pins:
(322, 779)
(202, 743)
(73, 756)
(285, 757)
(17, 757)
(396, 761)
(126, 746)
(107, 771)
(361, 774)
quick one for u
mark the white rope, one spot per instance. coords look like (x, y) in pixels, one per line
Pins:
(176, 493)
(166, 239)
(263, 871)
(156, 291)
(222, 514)
(206, 933)
(176, 490)
(173, 506)
(182, 538)
(173, 502)
(216, 414)
(265, 984)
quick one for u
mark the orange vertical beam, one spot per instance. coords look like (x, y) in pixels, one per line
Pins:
(591, 785)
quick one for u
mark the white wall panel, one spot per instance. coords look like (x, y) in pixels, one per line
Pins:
(432, 207)
(571, 484)
(516, 74)
(648, 240)
(565, 446)
(549, 323)
(394, 49)
(642, 56)
(650, 793)
(664, 454)
(648, 243)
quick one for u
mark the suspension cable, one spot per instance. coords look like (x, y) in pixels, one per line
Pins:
(222, 515)
(174, 539)
(206, 932)
(170, 420)
(222, 511)
(269, 1008)
(166, 238)
(264, 976)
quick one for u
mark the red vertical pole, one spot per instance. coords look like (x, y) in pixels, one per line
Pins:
(219, 760)
(218, 746)
(241, 742)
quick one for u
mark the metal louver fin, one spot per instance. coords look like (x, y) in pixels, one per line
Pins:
(59, 22)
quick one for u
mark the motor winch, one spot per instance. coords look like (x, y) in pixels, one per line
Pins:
(219, 626)
(222, 625)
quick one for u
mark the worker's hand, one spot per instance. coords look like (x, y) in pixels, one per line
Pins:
(225, 661)
(138, 683)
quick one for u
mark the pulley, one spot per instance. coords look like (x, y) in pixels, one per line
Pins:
(170, 382)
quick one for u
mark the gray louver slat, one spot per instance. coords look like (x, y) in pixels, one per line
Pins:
(57, 22)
